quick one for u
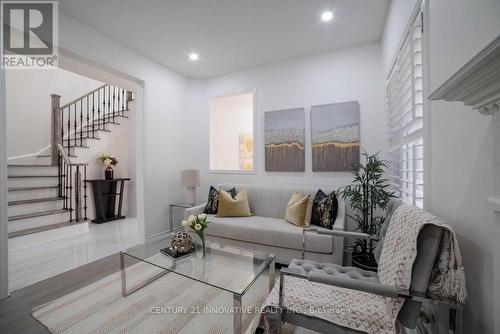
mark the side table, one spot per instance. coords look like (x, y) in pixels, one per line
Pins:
(183, 205)
(105, 194)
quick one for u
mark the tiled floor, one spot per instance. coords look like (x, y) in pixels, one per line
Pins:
(34, 264)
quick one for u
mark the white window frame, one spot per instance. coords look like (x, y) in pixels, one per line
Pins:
(237, 171)
(405, 110)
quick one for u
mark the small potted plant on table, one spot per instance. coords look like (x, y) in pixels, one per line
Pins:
(369, 195)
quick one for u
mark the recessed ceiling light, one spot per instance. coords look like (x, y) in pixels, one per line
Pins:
(193, 56)
(326, 16)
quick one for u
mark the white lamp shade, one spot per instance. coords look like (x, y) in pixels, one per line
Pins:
(190, 177)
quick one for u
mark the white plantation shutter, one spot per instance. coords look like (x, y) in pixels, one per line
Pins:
(404, 107)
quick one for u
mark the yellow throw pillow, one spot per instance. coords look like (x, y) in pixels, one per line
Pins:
(233, 207)
(296, 209)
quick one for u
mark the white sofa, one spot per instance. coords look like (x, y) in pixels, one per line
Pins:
(267, 230)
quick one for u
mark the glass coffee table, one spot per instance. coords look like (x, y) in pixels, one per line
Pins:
(229, 268)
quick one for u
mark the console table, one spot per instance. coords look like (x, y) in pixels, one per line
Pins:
(105, 194)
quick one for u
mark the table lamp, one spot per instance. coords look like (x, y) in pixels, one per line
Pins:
(190, 178)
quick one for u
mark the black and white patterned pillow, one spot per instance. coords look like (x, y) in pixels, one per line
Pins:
(324, 209)
(213, 200)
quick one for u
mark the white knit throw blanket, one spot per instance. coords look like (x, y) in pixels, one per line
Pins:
(447, 281)
(372, 313)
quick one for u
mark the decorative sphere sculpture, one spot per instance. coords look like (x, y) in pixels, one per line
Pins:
(181, 242)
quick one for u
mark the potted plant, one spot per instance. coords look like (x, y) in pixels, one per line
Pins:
(108, 161)
(369, 195)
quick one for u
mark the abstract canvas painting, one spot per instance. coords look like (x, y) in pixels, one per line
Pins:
(246, 151)
(335, 137)
(284, 140)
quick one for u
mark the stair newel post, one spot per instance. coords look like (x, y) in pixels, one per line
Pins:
(78, 192)
(84, 192)
(55, 127)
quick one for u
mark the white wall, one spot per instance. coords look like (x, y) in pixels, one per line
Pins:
(120, 144)
(461, 165)
(344, 75)
(461, 142)
(159, 113)
(29, 105)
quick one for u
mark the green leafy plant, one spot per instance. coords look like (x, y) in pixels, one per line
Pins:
(369, 195)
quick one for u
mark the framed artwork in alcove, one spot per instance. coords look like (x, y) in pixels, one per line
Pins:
(246, 151)
(335, 137)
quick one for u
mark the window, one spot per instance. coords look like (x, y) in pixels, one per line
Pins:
(232, 132)
(404, 107)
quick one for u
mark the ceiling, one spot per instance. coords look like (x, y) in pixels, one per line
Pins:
(231, 35)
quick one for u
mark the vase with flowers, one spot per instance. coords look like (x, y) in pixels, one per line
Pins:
(198, 224)
(109, 162)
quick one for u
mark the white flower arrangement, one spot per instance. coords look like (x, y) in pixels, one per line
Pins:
(197, 223)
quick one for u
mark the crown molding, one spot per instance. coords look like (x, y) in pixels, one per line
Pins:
(477, 83)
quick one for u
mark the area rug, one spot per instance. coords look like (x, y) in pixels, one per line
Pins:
(171, 304)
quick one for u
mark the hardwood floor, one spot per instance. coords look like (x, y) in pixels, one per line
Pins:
(15, 311)
(31, 261)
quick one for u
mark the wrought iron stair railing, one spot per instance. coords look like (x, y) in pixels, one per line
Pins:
(70, 186)
(82, 118)
(73, 124)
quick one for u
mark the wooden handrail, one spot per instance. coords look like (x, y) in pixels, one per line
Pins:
(82, 97)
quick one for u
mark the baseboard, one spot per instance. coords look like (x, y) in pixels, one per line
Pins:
(158, 236)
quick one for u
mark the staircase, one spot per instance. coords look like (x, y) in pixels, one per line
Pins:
(50, 193)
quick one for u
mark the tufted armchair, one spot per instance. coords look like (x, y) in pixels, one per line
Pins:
(365, 281)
